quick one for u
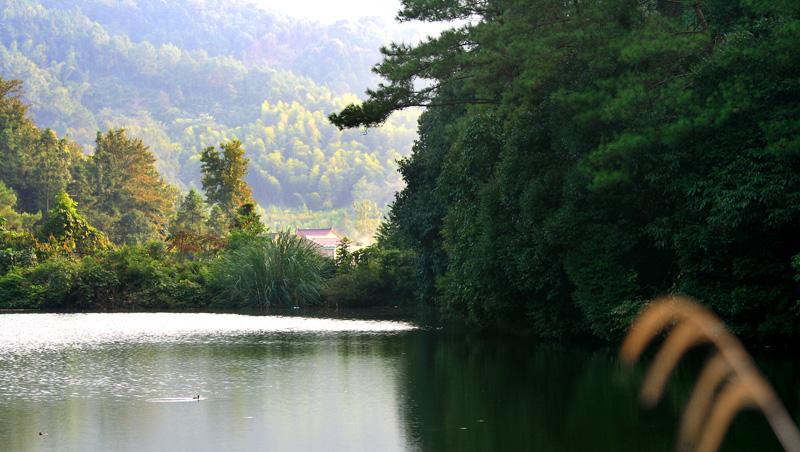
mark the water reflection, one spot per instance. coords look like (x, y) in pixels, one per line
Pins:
(86, 381)
(473, 393)
(90, 383)
(36, 331)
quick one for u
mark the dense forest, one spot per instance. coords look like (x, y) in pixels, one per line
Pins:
(110, 233)
(573, 160)
(183, 75)
(578, 158)
(146, 144)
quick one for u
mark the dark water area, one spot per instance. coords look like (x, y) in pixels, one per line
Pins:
(127, 382)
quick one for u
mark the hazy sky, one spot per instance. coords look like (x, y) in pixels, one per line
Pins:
(329, 11)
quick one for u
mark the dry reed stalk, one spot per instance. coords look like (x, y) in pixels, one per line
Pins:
(729, 382)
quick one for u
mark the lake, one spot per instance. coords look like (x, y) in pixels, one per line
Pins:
(129, 382)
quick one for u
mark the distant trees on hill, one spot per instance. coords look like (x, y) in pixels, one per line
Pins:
(181, 79)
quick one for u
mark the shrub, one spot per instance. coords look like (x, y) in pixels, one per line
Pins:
(358, 288)
(284, 271)
(15, 292)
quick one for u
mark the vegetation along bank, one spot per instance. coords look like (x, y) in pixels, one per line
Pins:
(578, 158)
(574, 160)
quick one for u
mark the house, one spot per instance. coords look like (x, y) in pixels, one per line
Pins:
(326, 239)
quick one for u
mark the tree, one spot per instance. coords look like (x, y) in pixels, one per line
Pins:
(580, 158)
(217, 222)
(8, 213)
(121, 177)
(20, 146)
(417, 211)
(192, 214)
(50, 173)
(247, 221)
(367, 217)
(505, 51)
(223, 176)
(12, 109)
(135, 228)
(68, 230)
(344, 258)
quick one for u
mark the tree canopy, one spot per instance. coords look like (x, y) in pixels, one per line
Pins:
(182, 78)
(120, 178)
(223, 176)
(578, 158)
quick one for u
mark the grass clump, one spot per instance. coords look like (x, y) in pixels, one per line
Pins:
(284, 270)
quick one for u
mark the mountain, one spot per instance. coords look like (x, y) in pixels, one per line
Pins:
(183, 75)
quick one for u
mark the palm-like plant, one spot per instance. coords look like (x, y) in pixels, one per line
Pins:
(282, 271)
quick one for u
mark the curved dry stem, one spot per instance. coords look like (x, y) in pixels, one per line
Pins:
(747, 387)
(700, 400)
(650, 322)
(682, 337)
(735, 396)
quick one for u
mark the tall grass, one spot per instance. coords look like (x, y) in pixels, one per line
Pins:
(284, 271)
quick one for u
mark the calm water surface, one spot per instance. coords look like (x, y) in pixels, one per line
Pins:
(126, 382)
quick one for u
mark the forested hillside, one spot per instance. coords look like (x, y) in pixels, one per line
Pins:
(578, 158)
(183, 75)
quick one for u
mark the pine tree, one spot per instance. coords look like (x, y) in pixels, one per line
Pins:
(192, 214)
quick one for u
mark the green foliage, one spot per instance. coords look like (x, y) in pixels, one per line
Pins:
(69, 231)
(14, 293)
(246, 229)
(11, 218)
(192, 214)
(135, 228)
(150, 279)
(271, 272)
(371, 276)
(51, 159)
(122, 191)
(223, 176)
(12, 257)
(357, 289)
(418, 212)
(627, 149)
(217, 222)
(36, 163)
(344, 258)
(247, 221)
(196, 77)
(130, 277)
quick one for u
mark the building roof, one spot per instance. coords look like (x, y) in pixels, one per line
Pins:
(326, 242)
(326, 238)
(316, 233)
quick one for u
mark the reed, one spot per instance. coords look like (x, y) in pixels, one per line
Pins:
(284, 271)
(728, 383)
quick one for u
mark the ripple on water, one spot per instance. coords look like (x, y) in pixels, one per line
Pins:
(47, 357)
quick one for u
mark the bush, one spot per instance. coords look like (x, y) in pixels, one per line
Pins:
(286, 271)
(371, 276)
(148, 277)
(125, 278)
(50, 283)
(359, 288)
(15, 292)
